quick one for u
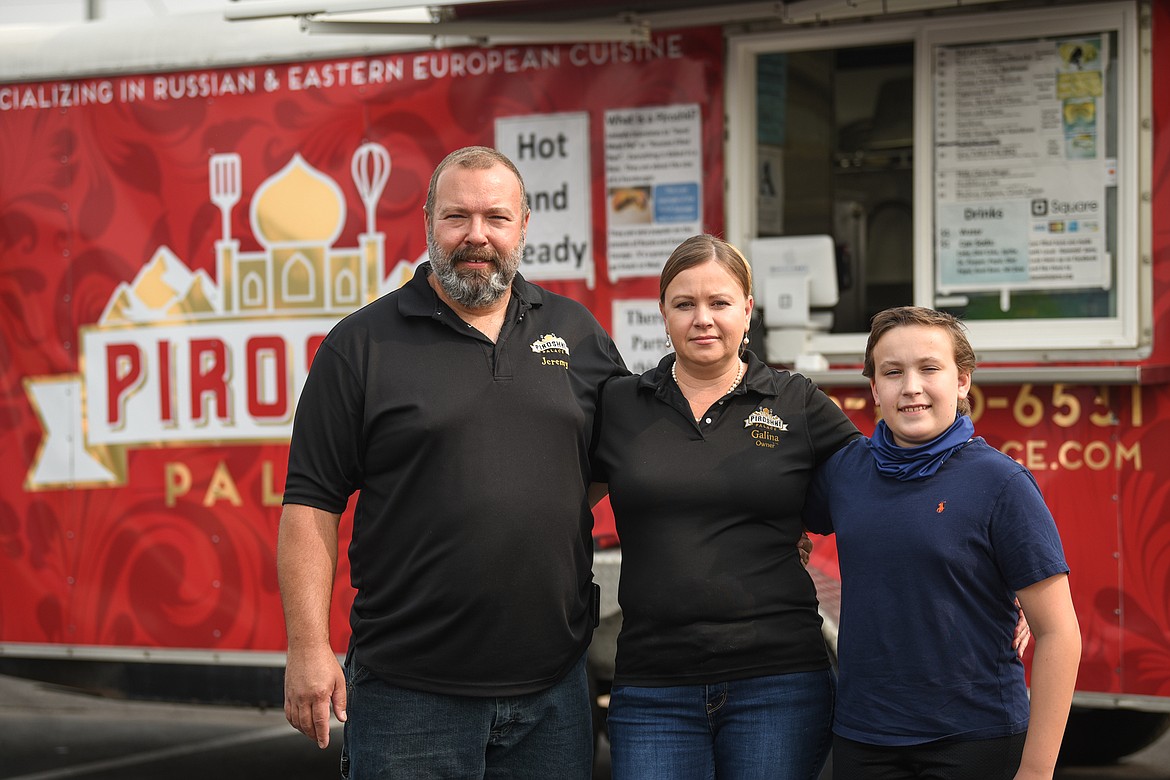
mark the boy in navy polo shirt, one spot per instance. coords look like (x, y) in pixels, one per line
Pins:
(937, 533)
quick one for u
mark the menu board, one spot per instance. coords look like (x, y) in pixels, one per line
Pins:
(1020, 166)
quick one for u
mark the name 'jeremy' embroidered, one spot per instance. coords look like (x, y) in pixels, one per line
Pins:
(549, 346)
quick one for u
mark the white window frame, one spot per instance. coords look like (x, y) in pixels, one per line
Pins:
(1122, 337)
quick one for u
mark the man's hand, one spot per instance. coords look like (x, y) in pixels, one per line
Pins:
(805, 548)
(306, 562)
(313, 684)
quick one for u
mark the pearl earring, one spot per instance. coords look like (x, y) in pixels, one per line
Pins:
(668, 344)
(746, 340)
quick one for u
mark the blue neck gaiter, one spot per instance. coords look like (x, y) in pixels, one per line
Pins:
(909, 463)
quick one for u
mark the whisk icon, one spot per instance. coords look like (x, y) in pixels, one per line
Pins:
(371, 169)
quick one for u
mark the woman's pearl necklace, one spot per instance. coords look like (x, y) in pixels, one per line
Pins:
(735, 384)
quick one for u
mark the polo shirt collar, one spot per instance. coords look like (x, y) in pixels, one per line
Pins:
(419, 299)
(759, 377)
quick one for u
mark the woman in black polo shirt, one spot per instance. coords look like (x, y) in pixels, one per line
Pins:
(721, 668)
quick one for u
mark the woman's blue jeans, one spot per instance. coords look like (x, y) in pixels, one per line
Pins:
(777, 727)
(393, 732)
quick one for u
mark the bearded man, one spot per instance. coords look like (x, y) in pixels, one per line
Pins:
(460, 408)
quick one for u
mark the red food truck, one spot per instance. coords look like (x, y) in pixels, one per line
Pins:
(189, 203)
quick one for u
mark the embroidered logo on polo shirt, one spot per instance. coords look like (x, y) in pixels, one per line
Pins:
(766, 427)
(549, 345)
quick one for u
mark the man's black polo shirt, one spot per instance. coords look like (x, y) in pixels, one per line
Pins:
(472, 548)
(709, 514)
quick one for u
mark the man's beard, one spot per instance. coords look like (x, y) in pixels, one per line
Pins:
(474, 288)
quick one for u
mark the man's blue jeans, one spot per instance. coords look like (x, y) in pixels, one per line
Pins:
(777, 727)
(393, 732)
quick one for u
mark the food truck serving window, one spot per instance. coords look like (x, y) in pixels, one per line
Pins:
(987, 166)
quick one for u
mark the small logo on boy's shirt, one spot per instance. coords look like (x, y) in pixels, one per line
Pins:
(942, 505)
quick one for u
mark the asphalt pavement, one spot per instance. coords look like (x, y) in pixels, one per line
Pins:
(52, 733)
